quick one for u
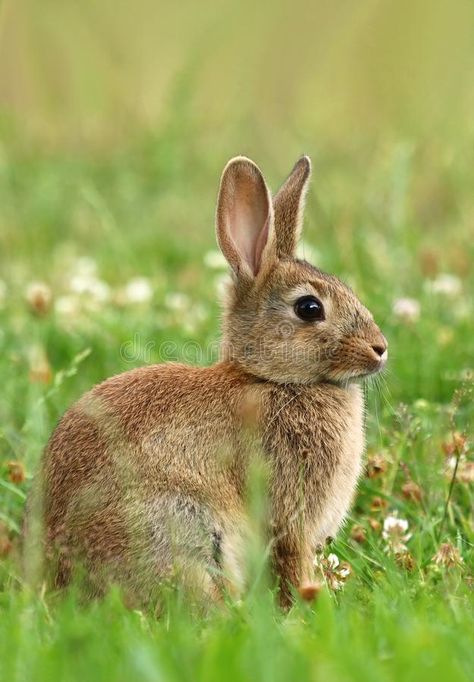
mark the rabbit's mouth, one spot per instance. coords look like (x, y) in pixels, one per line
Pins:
(349, 379)
(357, 375)
(370, 373)
(379, 367)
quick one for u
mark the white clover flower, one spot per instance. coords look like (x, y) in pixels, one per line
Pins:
(215, 260)
(392, 523)
(406, 309)
(334, 572)
(395, 533)
(345, 571)
(100, 291)
(90, 286)
(445, 284)
(465, 468)
(176, 301)
(451, 462)
(67, 306)
(85, 282)
(85, 266)
(138, 290)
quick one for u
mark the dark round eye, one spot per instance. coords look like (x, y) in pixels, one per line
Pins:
(309, 308)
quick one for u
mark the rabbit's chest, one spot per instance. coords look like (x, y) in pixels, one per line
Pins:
(315, 443)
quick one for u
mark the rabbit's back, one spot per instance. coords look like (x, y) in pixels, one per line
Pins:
(149, 447)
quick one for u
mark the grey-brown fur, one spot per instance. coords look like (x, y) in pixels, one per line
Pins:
(145, 477)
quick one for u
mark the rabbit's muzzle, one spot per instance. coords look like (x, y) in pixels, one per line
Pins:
(371, 352)
(359, 356)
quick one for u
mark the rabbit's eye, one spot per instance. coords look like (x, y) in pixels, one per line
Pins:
(309, 308)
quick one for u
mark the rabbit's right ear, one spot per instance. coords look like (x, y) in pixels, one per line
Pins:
(288, 204)
(244, 220)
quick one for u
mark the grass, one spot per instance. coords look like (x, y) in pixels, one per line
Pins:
(390, 216)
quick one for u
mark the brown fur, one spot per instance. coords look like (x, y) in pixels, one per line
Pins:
(145, 478)
(288, 206)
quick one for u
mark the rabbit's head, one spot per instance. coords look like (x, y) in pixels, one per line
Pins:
(285, 320)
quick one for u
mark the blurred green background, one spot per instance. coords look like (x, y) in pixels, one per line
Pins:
(116, 119)
(93, 72)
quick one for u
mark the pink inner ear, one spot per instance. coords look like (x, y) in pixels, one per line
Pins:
(260, 245)
(249, 221)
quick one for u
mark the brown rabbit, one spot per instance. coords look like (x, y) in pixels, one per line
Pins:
(145, 477)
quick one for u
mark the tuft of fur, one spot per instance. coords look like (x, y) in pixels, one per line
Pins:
(145, 478)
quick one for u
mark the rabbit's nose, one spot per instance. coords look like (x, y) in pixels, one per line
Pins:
(379, 346)
(379, 349)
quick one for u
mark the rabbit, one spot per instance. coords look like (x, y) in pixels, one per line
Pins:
(145, 478)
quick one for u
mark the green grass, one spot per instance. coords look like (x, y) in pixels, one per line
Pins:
(389, 215)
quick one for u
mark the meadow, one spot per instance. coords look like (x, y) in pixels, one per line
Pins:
(108, 261)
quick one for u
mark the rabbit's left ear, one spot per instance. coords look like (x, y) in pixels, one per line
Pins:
(244, 220)
(288, 205)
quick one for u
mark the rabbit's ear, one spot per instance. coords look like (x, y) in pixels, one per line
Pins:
(288, 205)
(244, 220)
